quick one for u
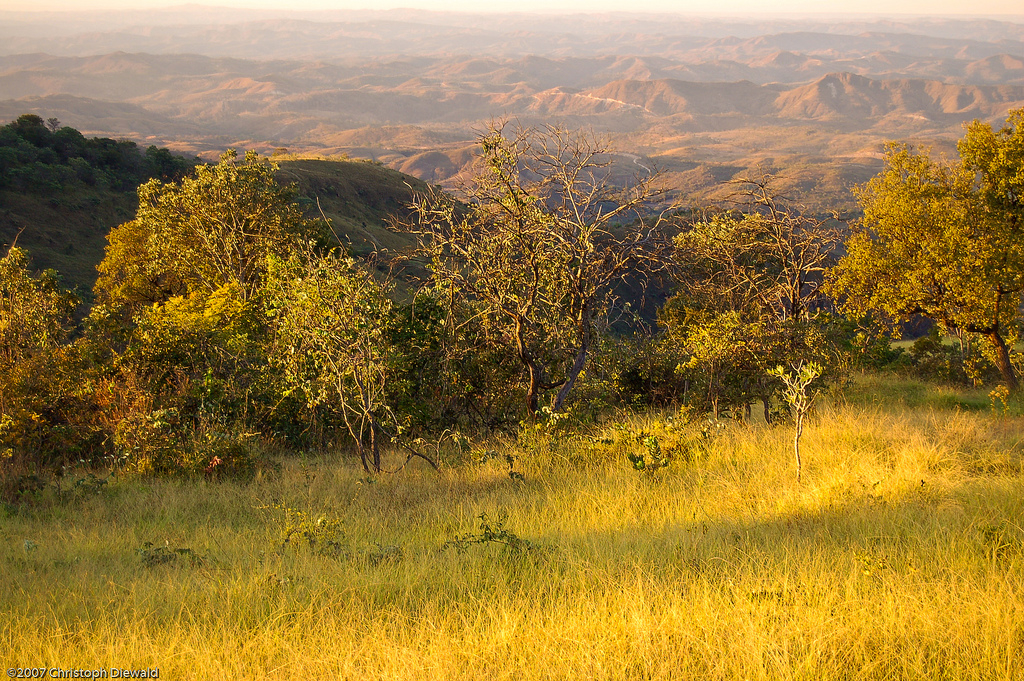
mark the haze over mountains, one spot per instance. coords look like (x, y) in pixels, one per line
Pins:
(702, 98)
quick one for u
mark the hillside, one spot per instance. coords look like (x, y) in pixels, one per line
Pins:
(358, 197)
(62, 213)
(61, 192)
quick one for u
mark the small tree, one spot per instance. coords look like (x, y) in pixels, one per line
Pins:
(539, 249)
(35, 312)
(39, 378)
(749, 282)
(181, 286)
(330, 320)
(795, 393)
(767, 254)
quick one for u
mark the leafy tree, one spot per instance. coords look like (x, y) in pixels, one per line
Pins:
(212, 229)
(331, 321)
(944, 240)
(725, 357)
(42, 157)
(35, 312)
(540, 247)
(748, 288)
(181, 289)
(40, 381)
(447, 372)
(769, 255)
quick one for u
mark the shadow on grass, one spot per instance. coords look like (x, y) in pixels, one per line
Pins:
(964, 527)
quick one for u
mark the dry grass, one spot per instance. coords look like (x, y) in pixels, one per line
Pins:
(900, 557)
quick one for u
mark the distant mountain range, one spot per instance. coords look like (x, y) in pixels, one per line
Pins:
(702, 98)
(330, 35)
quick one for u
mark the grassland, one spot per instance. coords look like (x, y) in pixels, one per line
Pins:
(901, 556)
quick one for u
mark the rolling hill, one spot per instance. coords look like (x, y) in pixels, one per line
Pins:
(701, 98)
(66, 229)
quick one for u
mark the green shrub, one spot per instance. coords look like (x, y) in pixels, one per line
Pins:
(158, 443)
(960, 364)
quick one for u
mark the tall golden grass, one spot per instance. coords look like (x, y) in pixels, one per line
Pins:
(899, 557)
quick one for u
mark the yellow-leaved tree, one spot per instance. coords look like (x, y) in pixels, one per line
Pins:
(945, 240)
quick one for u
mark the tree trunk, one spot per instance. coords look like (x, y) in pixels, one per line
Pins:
(767, 411)
(374, 447)
(1003, 361)
(574, 372)
(533, 394)
(538, 384)
(796, 444)
(356, 437)
(536, 372)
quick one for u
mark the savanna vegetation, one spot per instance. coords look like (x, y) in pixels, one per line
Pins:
(260, 451)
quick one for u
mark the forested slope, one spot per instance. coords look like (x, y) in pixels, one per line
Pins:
(62, 192)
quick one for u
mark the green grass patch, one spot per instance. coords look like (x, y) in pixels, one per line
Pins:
(887, 390)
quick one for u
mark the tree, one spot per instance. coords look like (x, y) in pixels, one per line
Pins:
(749, 282)
(38, 378)
(212, 229)
(539, 248)
(767, 256)
(331, 321)
(795, 393)
(181, 287)
(35, 312)
(944, 239)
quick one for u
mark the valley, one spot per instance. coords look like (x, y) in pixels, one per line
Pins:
(703, 101)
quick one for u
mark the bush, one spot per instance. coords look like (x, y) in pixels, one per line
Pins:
(158, 443)
(18, 481)
(934, 360)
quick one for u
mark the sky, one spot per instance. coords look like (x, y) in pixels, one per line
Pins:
(716, 7)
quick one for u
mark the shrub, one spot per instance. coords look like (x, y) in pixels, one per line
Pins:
(158, 443)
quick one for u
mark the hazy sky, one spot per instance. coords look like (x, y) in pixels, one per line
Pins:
(918, 7)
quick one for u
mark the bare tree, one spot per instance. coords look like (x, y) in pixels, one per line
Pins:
(800, 246)
(544, 237)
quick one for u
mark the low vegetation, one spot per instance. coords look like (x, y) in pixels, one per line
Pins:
(898, 557)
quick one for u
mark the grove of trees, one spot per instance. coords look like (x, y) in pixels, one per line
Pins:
(44, 157)
(224, 315)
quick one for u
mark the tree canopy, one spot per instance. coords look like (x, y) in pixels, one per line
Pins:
(944, 239)
(35, 312)
(38, 156)
(214, 228)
